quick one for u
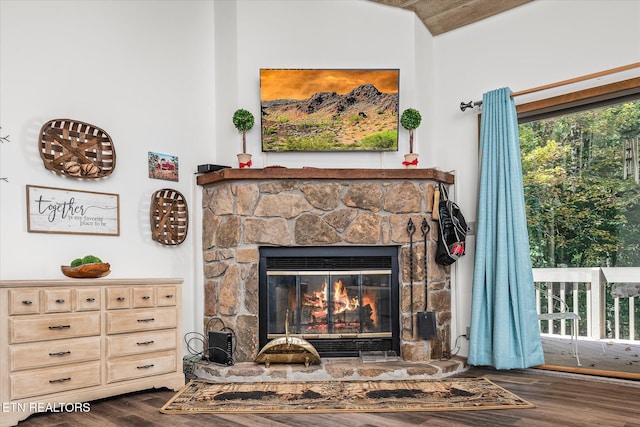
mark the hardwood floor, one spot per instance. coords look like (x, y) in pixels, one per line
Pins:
(561, 400)
(605, 357)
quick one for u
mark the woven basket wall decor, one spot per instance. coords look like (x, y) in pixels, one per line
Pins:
(169, 217)
(76, 149)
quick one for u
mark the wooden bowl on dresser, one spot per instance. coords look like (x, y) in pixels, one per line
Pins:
(87, 271)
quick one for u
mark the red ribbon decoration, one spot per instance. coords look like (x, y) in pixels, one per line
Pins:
(414, 162)
(245, 165)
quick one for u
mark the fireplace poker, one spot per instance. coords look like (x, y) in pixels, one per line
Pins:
(425, 231)
(411, 228)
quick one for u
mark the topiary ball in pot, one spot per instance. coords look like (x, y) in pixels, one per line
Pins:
(243, 120)
(410, 120)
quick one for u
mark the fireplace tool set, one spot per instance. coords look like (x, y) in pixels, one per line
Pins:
(426, 319)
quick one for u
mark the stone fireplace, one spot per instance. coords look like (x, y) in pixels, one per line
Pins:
(250, 212)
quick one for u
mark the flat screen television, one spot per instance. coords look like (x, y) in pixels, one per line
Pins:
(329, 109)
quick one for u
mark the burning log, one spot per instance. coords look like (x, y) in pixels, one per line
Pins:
(345, 312)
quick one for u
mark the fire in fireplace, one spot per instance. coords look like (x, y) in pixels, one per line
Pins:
(343, 300)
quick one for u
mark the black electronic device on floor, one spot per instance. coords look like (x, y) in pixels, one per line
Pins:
(220, 347)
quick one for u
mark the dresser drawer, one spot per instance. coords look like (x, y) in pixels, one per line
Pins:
(57, 300)
(143, 297)
(53, 326)
(146, 365)
(141, 342)
(141, 320)
(24, 301)
(166, 296)
(50, 353)
(88, 299)
(118, 298)
(52, 380)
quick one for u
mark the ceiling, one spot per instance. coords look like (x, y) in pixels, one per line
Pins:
(440, 16)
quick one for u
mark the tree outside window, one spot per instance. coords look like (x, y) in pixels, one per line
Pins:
(582, 196)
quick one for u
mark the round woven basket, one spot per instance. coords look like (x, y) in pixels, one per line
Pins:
(169, 217)
(76, 149)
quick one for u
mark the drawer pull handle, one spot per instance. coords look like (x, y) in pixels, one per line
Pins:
(120, 298)
(27, 302)
(60, 327)
(151, 319)
(60, 353)
(59, 301)
(146, 297)
(145, 342)
(60, 380)
(91, 299)
(169, 296)
(146, 366)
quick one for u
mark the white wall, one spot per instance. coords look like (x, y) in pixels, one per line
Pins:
(536, 44)
(143, 72)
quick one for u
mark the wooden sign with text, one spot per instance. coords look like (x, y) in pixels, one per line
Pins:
(57, 210)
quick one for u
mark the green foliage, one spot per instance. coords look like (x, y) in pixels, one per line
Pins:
(243, 120)
(580, 211)
(385, 140)
(326, 141)
(88, 259)
(322, 142)
(410, 119)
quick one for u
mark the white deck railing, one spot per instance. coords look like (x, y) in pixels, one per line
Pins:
(585, 290)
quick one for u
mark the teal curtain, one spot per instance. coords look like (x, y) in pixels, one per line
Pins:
(504, 323)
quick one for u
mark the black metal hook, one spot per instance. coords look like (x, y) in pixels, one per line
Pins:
(411, 228)
(425, 227)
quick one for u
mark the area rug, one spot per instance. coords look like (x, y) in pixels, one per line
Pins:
(200, 396)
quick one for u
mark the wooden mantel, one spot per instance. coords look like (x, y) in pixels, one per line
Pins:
(318, 173)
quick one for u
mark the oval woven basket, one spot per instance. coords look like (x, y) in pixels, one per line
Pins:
(169, 217)
(76, 149)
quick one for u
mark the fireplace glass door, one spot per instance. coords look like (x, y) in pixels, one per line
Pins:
(329, 304)
(342, 300)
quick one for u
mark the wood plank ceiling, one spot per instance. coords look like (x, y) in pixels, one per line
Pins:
(441, 16)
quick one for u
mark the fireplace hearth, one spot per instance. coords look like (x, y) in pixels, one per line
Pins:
(342, 300)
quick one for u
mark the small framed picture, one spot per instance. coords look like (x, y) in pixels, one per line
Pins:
(163, 166)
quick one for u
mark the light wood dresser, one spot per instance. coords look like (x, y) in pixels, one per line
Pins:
(65, 342)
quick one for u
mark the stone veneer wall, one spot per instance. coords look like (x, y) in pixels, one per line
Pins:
(239, 216)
